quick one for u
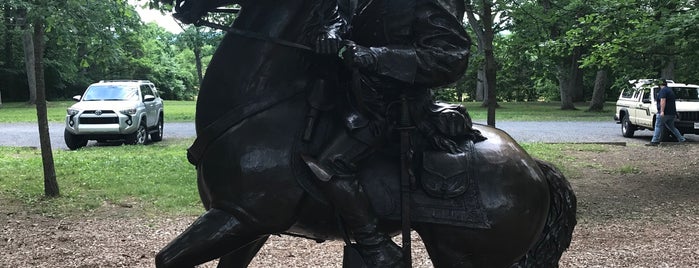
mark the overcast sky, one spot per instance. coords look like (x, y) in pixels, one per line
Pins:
(148, 15)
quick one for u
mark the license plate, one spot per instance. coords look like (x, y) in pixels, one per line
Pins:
(696, 125)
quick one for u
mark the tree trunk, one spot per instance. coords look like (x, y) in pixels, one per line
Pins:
(481, 92)
(576, 75)
(668, 71)
(564, 85)
(490, 69)
(7, 47)
(197, 59)
(597, 103)
(29, 61)
(50, 182)
(485, 36)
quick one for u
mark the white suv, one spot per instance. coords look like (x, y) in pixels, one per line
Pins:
(636, 107)
(126, 110)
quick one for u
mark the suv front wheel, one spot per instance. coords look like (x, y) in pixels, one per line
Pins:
(73, 141)
(138, 137)
(627, 129)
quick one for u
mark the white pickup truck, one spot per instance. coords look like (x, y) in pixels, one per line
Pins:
(636, 107)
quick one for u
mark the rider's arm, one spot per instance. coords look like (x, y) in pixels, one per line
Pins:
(442, 46)
(437, 55)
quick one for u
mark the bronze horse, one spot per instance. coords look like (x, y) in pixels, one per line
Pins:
(250, 115)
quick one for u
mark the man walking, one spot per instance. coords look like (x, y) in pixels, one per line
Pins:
(667, 112)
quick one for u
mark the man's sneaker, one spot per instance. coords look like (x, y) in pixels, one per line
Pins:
(652, 144)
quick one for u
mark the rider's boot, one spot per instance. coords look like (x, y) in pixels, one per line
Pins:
(336, 170)
(350, 201)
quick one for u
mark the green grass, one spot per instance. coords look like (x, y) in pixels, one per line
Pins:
(183, 111)
(155, 178)
(179, 111)
(540, 111)
(628, 169)
(12, 112)
(559, 154)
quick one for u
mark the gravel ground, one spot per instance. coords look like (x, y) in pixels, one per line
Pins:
(636, 208)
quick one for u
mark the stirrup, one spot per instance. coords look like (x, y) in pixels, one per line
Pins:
(384, 255)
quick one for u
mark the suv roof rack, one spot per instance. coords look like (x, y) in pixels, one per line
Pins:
(642, 82)
(125, 80)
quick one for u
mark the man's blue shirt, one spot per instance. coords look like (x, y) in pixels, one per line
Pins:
(669, 96)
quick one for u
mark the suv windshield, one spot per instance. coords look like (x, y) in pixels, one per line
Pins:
(686, 93)
(110, 92)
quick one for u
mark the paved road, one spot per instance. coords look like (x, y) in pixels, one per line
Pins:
(26, 134)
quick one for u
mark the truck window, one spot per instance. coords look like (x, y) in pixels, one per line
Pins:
(627, 93)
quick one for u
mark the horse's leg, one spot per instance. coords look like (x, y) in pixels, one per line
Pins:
(212, 235)
(242, 257)
(452, 247)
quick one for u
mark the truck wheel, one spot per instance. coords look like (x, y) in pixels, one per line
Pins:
(138, 137)
(627, 129)
(73, 141)
(158, 136)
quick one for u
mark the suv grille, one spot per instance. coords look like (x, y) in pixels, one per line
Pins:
(101, 112)
(99, 120)
(689, 116)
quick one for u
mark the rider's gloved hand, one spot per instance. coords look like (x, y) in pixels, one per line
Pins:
(190, 11)
(356, 56)
(328, 43)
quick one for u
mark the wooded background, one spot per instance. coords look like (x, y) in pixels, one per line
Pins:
(567, 50)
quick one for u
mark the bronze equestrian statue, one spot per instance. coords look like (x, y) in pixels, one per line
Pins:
(292, 139)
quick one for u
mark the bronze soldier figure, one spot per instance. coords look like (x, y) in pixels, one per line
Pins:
(258, 89)
(390, 48)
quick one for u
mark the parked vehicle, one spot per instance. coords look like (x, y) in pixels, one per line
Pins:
(636, 107)
(127, 110)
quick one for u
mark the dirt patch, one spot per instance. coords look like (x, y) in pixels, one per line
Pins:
(637, 207)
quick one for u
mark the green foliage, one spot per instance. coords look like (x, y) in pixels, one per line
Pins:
(94, 40)
(155, 178)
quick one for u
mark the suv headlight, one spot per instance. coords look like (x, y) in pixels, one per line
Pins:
(130, 111)
(71, 111)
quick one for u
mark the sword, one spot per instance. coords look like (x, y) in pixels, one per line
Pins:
(405, 178)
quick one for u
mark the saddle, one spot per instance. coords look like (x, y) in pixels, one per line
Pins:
(445, 190)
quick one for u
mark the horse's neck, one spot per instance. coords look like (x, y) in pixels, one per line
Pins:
(280, 19)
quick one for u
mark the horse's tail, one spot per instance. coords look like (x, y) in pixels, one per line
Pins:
(560, 222)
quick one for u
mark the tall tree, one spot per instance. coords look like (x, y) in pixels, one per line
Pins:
(543, 25)
(481, 18)
(34, 25)
(29, 58)
(598, 93)
(50, 181)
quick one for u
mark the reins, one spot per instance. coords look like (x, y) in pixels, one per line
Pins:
(243, 33)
